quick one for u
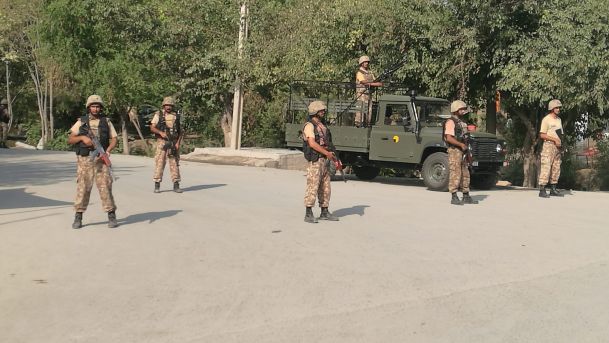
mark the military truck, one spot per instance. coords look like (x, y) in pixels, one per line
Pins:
(405, 133)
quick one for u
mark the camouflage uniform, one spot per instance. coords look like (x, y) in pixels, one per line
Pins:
(363, 96)
(318, 184)
(318, 178)
(4, 119)
(458, 177)
(89, 171)
(551, 159)
(162, 155)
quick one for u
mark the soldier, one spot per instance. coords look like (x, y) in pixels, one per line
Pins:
(364, 79)
(453, 134)
(93, 124)
(551, 133)
(316, 142)
(166, 127)
(4, 120)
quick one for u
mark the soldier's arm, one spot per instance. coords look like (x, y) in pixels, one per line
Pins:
(74, 138)
(452, 140)
(112, 145)
(320, 149)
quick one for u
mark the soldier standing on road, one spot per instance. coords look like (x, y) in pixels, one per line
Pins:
(453, 134)
(316, 144)
(94, 124)
(4, 119)
(364, 79)
(551, 133)
(166, 127)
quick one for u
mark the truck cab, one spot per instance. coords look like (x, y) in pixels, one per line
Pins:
(405, 133)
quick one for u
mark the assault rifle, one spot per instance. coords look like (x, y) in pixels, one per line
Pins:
(173, 137)
(468, 158)
(99, 152)
(337, 164)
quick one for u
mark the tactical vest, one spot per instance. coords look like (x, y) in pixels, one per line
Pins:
(162, 125)
(103, 134)
(311, 154)
(459, 130)
(369, 78)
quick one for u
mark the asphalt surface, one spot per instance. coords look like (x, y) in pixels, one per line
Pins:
(231, 260)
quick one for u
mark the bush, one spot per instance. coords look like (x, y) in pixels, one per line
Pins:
(514, 172)
(59, 143)
(32, 133)
(602, 165)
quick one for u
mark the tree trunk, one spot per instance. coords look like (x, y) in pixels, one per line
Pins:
(51, 119)
(491, 115)
(226, 120)
(133, 118)
(125, 135)
(529, 156)
(9, 106)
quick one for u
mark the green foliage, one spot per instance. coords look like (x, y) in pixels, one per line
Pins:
(32, 133)
(59, 142)
(602, 164)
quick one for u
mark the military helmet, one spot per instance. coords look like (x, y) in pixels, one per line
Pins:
(4, 102)
(363, 59)
(94, 99)
(553, 104)
(168, 100)
(316, 106)
(457, 105)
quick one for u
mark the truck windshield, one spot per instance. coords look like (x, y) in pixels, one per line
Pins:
(433, 113)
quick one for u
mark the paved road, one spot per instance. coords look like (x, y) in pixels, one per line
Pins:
(231, 260)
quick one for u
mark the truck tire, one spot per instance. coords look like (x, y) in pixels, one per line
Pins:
(366, 172)
(435, 172)
(484, 181)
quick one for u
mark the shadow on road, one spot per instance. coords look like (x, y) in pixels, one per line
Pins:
(358, 209)
(479, 198)
(20, 173)
(196, 188)
(149, 217)
(200, 187)
(18, 198)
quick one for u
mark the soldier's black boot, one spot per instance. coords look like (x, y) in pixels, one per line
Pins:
(326, 215)
(157, 187)
(542, 192)
(555, 192)
(112, 223)
(467, 199)
(455, 199)
(309, 217)
(77, 221)
(176, 187)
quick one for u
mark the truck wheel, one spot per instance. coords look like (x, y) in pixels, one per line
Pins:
(366, 172)
(484, 181)
(435, 172)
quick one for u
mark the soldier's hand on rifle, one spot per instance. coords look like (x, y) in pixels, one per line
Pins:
(330, 155)
(557, 142)
(463, 147)
(86, 140)
(163, 134)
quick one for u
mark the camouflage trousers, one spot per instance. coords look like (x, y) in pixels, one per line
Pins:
(363, 113)
(318, 184)
(550, 164)
(161, 158)
(3, 132)
(458, 173)
(87, 172)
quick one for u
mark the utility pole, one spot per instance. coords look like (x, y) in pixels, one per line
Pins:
(235, 136)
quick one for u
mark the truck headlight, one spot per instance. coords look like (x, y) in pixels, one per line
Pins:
(499, 147)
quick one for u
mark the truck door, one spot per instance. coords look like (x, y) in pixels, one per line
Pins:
(392, 138)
